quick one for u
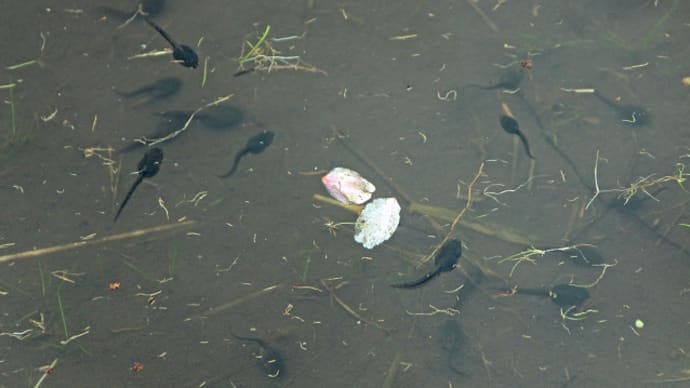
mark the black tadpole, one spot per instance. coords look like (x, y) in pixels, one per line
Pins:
(157, 90)
(511, 126)
(255, 145)
(563, 295)
(509, 80)
(150, 8)
(219, 117)
(454, 341)
(243, 72)
(183, 54)
(270, 360)
(631, 115)
(445, 261)
(148, 167)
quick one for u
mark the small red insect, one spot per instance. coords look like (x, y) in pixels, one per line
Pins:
(47, 370)
(138, 367)
(526, 63)
(114, 286)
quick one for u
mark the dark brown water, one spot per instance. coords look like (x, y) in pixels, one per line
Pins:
(261, 228)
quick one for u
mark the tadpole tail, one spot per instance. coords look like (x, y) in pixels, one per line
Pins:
(232, 169)
(525, 143)
(129, 194)
(418, 282)
(243, 72)
(256, 340)
(455, 368)
(478, 86)
(606, 100)
(235, 164)
(134, 93)
(163, 33)
(533, 291)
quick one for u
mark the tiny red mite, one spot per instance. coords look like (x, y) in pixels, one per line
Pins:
(114, 286)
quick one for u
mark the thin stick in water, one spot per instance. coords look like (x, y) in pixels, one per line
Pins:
(79, 244)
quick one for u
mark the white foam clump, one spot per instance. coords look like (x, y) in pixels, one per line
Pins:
(377, 222)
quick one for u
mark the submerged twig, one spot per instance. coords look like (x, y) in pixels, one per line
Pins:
(347, 206)
(396, 188)
(153, 53)
(392, 371)
(642, 184)
(342, 139)
(527, 254)
(46, 371)
(240, 300)
(483, 16)
(446, 215)
(349, 309)
(601, 275)
(79, 244)
(152, 142)
(468, 205)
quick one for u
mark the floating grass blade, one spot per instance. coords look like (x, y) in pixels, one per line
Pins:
(20, 65)
(143, 274)
(43, 282)
(7, 288)
(45, 375)
(12, 113)
(62, 314)
(203, 78)
(238, 301)
(172, 255)
(103, 240)
(254, 48)
(307, 263)
(25, 317)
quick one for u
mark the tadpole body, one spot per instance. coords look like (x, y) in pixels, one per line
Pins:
(150, 8)
(157, 90)
(511, 126)
(454, 341)
(219, 117)
(183, 54)
(269, 359)
(631, 115)
(510, 79)
(445, 261)
(148, 167)
(563, 295)
(255, 145)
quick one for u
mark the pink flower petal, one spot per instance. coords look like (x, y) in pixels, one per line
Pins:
(348, 186)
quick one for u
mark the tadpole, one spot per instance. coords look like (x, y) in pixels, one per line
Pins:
(454, 341)
(151, 8)
(269, 358)
(219, 117)
(157, 90)
(445, 261)
(563, 295)
(510, 79)
(255, 145)
(183, 54)
(148, 167)
(511, 126)
(631, 115)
